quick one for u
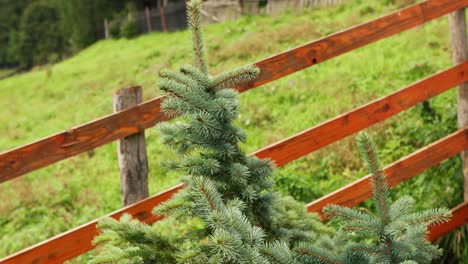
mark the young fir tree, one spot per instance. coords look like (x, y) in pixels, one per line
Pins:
(244, 220)
(394, 234)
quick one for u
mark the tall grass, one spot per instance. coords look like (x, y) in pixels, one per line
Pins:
(72, 192)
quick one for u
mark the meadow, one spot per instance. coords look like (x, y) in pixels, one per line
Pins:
(56, 97)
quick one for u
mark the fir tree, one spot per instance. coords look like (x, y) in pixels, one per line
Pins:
(230, 194)
(397, 234)
(244, 221)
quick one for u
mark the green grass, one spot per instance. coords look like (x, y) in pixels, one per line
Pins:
(42, 102)
(4, 73)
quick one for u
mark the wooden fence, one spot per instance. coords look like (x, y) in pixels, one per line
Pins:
(52, 149)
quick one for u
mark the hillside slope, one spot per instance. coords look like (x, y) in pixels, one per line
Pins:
(54, 98)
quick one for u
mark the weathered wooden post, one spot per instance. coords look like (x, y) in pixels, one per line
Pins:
(132, 152)
(106, 29)
(162, 13)
(148, 18)
(457, 22)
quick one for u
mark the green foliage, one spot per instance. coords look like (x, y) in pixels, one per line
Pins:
(245, 222)
(268, 114)
(129, 29)
(39, 39)
(133, 241)
(393, 235)
(10, 15)
(114, 29)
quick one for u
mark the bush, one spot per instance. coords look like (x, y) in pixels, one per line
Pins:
(114, 29)
(129, 29)
(39, 37)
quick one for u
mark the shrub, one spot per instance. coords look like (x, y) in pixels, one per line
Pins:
(39, 37)
(129, 29)
(230, 193)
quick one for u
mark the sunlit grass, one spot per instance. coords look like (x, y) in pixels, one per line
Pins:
(51, 99)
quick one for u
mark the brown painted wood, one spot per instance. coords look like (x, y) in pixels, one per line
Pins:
(459, 218)
(457, 24)
(96, 133)
(401, 170)
(344, 125)
(350, 39)
(131, 152)
(78, 241)
(69, 143)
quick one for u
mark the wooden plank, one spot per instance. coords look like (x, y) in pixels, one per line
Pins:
(344, 125)
(401, 170)
(69, 143)
(78, 241)
(131, 152)
(457, 24)
(350, 39)
(459, 218)
(96, 133)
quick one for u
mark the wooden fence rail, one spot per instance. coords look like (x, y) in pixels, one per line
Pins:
(78, 241)
(401, 170)
(346, 124)
(459, 218)
(47, 151)
(52, 149)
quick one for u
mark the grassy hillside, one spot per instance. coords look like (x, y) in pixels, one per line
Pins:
(58, 97)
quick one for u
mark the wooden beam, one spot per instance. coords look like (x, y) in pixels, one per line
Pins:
(457, 23)
(350, 39)
(401, 170)
(79, 240)
(96, 133)
(344, 125)
(76, 242)
(131, 152)
(69, 143)
(459, 218)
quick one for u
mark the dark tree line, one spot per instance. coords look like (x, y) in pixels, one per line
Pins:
(34, 32)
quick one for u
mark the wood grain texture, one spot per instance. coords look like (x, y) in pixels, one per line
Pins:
(401, 170)
(116, 126)
(78, 241)
(96, 133)
(459, 218)
(350, 39)
(131, 152)
(344, 125)
(458, 36)
(69, 143)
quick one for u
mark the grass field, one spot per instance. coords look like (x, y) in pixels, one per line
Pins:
(58, 97)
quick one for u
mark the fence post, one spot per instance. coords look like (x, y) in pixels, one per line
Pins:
(148, 19)
(457, 23)
(106, 29)
(162, 13)
(132, 152)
